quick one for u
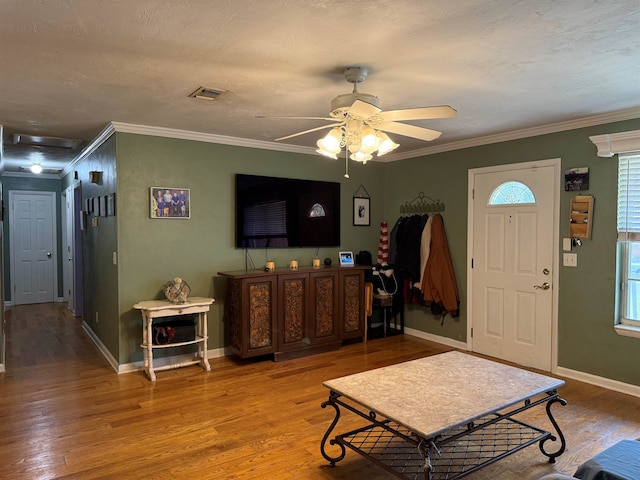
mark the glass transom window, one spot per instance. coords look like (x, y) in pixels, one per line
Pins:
(511, 193)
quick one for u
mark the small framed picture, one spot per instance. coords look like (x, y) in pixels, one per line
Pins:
(361, 211)
(576, 179)
(111, 205)
(102, 206)
(170, 202)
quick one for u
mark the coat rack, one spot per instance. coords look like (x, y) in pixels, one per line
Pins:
(422, 204)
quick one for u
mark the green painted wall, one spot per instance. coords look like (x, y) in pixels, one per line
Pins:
(99, 240)
(150, 252)
(587, 340)
(153, 251)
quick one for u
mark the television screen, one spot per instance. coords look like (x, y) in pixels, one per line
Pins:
(273, 212)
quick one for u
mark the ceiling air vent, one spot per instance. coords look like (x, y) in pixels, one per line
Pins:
(44, 141)
(207, 93)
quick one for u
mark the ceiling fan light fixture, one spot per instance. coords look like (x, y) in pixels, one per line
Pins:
(360, 156)
(385, 144)
(36, 168)
(353, 147)
(326, 154)
(330, 144)
(368, 135)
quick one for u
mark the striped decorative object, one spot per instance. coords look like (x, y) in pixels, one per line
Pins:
(383, 246)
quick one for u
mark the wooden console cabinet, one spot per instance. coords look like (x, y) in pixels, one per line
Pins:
(290, 313)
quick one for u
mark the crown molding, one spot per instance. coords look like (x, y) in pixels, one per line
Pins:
(40, 176)
(89, 149)
(618, 116)
(209, 138)
(621, 115)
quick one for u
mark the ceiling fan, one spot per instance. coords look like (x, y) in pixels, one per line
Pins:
(358, 123)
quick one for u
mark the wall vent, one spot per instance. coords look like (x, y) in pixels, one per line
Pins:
(207, 93)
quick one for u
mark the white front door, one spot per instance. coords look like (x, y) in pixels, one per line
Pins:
(33, 247)
(513, 249)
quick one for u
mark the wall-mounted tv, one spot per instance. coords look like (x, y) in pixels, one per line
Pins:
(273, 212)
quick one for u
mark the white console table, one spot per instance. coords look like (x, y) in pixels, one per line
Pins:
(152, 309)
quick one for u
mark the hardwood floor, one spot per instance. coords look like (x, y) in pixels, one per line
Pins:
(64, 413)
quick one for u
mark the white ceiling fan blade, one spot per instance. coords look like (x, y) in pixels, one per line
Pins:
(410, 131)
(329, 119)
(443, 111)
(363, 110)
(306, 131)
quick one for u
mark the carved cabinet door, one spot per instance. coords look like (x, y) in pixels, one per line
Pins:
(251, 312)
(351, 303)
(324, 307)
(293, 311)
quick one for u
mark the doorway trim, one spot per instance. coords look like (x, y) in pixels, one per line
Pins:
(71, 211)
(556, 164)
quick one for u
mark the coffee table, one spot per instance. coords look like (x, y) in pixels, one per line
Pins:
(441, 417)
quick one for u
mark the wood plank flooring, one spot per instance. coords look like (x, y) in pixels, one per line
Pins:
(64, 413)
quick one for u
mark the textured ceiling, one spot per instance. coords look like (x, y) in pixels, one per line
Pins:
(69, 67)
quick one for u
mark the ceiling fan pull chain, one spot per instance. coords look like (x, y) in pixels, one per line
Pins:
(346, 164)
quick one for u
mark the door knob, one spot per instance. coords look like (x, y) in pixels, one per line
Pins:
(49, 254)
(544, 286)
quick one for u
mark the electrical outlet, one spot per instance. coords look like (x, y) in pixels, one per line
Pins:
(570, 259)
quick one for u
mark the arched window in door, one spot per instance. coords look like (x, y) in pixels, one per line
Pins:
(511, 193)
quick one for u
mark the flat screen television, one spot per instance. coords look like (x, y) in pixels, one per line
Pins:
(274, 212)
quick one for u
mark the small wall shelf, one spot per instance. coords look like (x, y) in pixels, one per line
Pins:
(581, 216)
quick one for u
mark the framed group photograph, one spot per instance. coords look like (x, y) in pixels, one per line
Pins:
(361, 211)
(576, 179)
(170, 202)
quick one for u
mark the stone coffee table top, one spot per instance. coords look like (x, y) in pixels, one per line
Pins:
(436, 393)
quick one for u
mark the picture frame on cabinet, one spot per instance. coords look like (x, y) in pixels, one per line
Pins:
(169, 202)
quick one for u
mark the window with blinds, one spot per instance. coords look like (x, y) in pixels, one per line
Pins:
(629, 236)
(629, 197)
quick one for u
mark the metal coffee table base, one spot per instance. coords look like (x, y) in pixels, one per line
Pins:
(451, 455)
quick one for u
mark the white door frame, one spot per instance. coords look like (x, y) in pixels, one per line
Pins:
(64, 207)
(12, 253)
(70, 224)
(556, 163)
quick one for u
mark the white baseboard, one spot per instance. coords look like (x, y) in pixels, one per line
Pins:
(55, 300)
(2, 369)
(105, 352)
(436, 338)
(607, 383)
(603, 382)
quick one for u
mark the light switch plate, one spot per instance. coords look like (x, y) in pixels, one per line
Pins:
(570, 259)
(566, 244)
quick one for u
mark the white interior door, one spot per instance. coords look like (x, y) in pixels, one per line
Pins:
(512, 242)
(33, 247)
